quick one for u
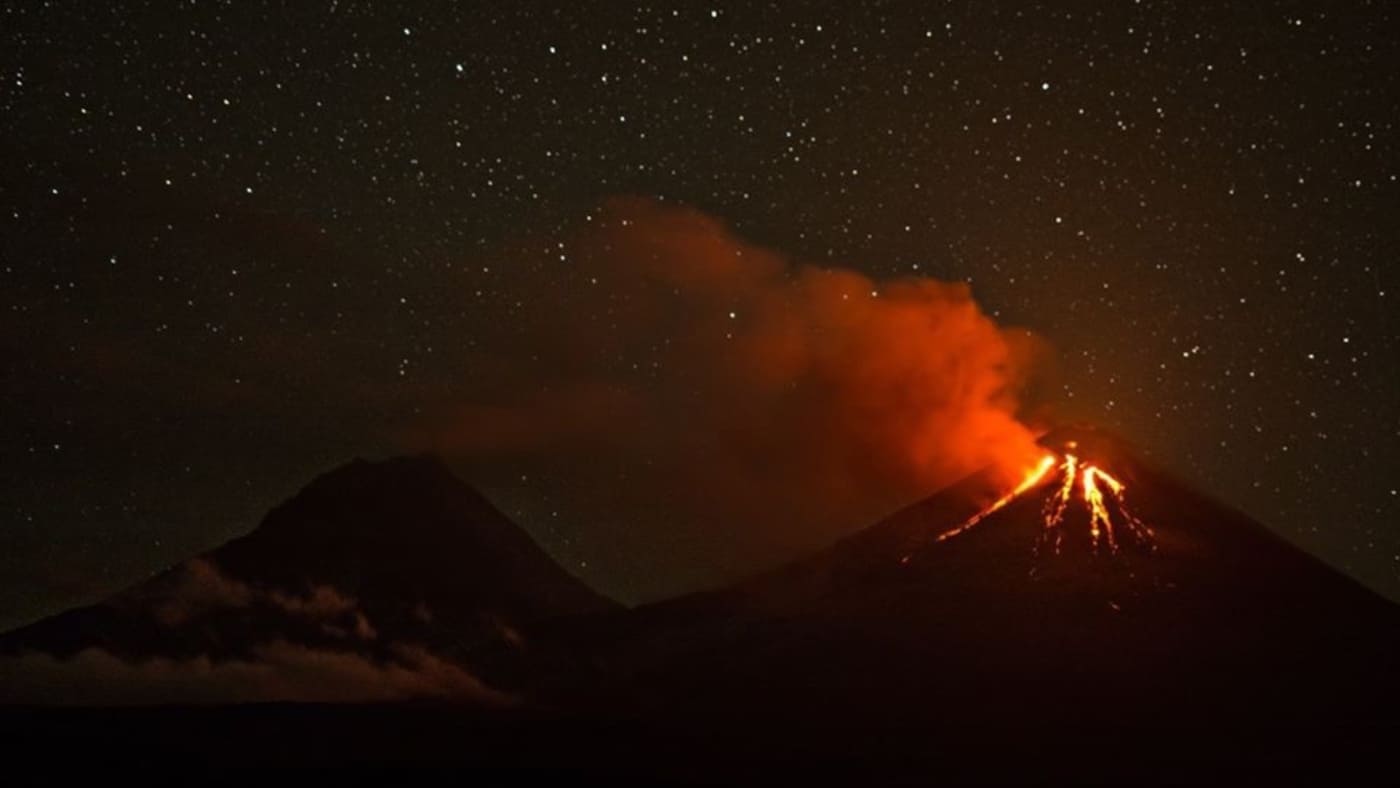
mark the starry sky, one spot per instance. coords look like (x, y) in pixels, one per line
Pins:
(241, 243)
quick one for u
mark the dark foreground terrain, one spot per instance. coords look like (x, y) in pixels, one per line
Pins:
(404, 741)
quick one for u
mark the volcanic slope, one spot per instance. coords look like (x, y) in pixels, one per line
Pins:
(975, 608)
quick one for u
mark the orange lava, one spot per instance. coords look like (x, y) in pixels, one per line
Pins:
(1032, 479)
(1100, 524)
(1101, 493)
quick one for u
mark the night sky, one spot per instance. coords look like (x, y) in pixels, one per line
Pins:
(241, 243)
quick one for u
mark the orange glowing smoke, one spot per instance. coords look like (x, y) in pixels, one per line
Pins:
(707, 400)
(1101, 493)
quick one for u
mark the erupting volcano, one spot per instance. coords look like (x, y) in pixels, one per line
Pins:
(1084, 489)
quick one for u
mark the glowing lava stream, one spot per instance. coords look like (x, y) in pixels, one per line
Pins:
(1099, 491)
(1031, 480)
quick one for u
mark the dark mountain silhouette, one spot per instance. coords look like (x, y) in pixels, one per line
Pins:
(1214, 619)
(368, 556)
(1204, 648)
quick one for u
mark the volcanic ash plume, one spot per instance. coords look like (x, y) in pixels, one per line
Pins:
(757, 403)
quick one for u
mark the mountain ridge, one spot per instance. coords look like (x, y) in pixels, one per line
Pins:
(961, 602)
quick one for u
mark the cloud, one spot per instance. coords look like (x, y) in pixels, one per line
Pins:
(198, 587)
(278, 671)
(722, 405)
(321, 602)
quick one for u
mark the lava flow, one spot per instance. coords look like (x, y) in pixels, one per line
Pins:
(1032, 479)
(1101, 494)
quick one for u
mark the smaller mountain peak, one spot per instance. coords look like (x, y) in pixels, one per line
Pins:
(419, 493)
(424, 466)
(423, 459)
(406, 521)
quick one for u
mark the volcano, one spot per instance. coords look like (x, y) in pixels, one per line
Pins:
(988, 608)
(367, 559)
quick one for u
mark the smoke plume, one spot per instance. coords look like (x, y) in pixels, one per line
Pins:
(725, 408)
